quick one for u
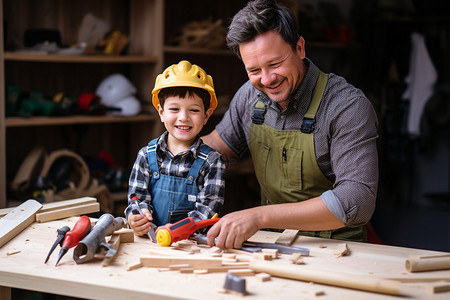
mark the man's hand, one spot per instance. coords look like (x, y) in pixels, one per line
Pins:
(233, 229)
(140, 224)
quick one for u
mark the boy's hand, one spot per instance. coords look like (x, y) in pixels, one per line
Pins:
(140, 224)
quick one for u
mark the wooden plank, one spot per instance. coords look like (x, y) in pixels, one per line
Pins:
(287, 237)
(67, 212)
(17, 220)
(56, 205)
(66, 203)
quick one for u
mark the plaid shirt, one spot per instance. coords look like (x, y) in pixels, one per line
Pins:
(210, 182)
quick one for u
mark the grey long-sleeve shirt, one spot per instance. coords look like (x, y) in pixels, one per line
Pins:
(344, 139)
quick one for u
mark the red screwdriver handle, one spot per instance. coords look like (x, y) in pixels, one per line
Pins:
(185, 228)
(203, 223)
(79, 231)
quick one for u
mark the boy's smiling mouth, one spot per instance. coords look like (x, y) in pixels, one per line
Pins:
(183, 127)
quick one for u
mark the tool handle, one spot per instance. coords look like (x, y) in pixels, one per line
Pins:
(203, 223)
(79, 231)
(181, 230)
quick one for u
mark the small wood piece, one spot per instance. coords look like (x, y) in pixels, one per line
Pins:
(134, 266)
(341, 250)
(273, 252)
(195, 262)
(428, 263)
(67, 212)
(186, 270)
(241, 272)
(287, 237)
(296, 258)
(438, 287)
(177, 267)
(126, 235)
(17, 220)
(217, 269)
(263, 277)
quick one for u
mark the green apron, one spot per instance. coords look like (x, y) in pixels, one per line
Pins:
(286, 167)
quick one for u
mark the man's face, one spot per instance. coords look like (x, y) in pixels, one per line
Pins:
(272, 66)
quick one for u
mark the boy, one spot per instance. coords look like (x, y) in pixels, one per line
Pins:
(176, 175)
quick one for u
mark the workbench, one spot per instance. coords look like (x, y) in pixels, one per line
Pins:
(22, 266)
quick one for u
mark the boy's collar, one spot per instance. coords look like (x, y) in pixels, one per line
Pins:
(194, 148)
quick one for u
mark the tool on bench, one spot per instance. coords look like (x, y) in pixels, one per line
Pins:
(73, 237)
(95, 240)
(137, 210)
(201, 239)
(59, 240)
(182, 230)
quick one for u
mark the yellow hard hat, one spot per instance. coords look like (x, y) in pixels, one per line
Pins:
(184, 74)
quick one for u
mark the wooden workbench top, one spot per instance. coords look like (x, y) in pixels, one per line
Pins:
(22, 266)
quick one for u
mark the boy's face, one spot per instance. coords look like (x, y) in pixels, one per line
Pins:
(183, 119)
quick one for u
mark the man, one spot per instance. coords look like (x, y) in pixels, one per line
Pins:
(312, 136)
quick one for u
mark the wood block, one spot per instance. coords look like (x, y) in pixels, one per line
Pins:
(287, 237)
(195, 262)
(126, 235)
(187, 270)
(263, 277)
(217, 269)
(177, 267)
(17, 220)
(438, 287)
(241, 272)
(341, 250)
(67, 212)
(273, 252)
(134, 266)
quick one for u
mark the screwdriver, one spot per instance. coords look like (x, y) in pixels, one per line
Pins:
(151, 233)
(61, 235)
(73, 237)
(182, 230)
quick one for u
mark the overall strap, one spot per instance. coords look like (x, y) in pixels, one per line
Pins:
(309, 120)
(259, 110)
(198, 163)
(152, 161)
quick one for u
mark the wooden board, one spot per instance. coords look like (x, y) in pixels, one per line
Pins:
(67, 212)
(17, 220)
(56, 205)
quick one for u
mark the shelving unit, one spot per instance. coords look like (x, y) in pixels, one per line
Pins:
(140, 20)
(150, 25)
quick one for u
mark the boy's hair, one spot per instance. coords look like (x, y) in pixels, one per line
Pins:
(182, 92)
(258, 17)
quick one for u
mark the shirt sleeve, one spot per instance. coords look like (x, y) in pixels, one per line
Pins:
(139, 183)
(211, 193)
(354, 160)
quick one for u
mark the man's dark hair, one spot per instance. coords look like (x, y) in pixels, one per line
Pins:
(182, 92)
(258, 17)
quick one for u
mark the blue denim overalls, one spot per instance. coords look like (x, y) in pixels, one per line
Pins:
(173, 197)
